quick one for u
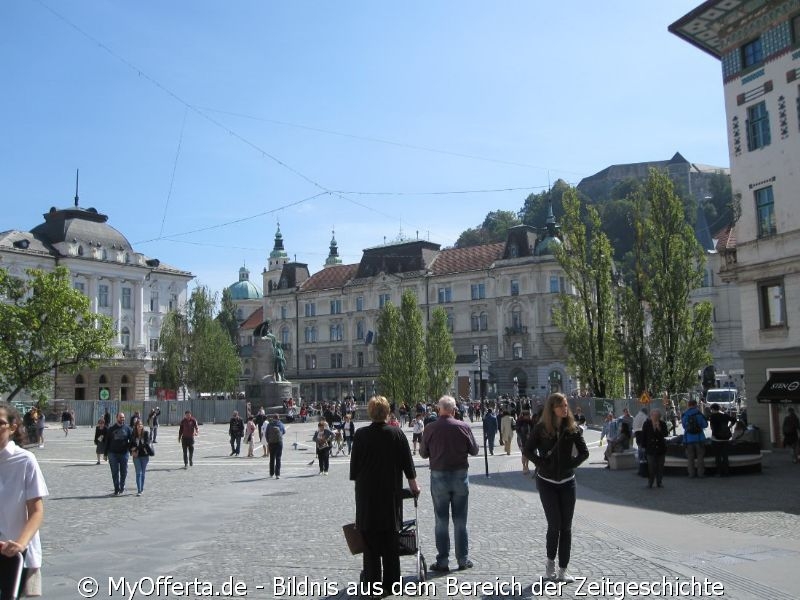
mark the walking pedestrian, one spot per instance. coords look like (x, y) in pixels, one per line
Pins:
(118, 441)
(187, 431)
(249, 434)
(507, 425)
(100, 431)
(273, 434)
(791, 433)
(490, 429)
(550, 448)
(720, 438)
(66, 421)
(348, 431)
(236, 432)
(40, 424)
(322, 438)
(447, 442)
(141, 451)
(694, 439)
(152, 421)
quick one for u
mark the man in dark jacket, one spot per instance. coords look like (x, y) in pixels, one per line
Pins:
(274, 433)
(117, 442)
(720, 438)
(490, 428)
(236, 431)
(694, 439)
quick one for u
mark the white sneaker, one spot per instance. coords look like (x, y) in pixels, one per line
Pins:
(562, 575)
(550, 569)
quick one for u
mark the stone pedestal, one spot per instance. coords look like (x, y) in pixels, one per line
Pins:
(275, 393)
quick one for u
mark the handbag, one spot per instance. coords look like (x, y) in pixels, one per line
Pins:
(150, 450)
(354, 538)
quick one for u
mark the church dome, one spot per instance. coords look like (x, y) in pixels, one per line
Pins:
(244, 289)
(547, 246)
(78, 225)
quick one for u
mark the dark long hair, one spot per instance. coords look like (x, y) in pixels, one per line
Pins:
(20, 436)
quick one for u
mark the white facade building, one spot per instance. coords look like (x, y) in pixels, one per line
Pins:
(133, 290)
(758, 44)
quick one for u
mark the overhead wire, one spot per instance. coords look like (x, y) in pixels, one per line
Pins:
(174, 168)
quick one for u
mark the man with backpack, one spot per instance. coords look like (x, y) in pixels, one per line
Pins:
(274, 434)
(694, 439)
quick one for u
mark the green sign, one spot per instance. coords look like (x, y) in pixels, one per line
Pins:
(104, 394)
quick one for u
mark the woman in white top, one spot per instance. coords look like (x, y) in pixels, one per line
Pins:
(22, 488)
(417, 427)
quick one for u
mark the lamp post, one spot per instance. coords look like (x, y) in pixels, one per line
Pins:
(352, 398)
(516, 387)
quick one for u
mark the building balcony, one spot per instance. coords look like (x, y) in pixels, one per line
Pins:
(517, 330)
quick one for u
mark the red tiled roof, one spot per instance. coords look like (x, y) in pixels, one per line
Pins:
(474, 258)
(330, 277)
(726, 239)
(253, 320)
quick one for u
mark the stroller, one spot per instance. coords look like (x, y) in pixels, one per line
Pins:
(409, 538)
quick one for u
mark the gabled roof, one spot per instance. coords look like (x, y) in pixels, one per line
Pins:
(254, 320)
(330, 277)
(473, 258)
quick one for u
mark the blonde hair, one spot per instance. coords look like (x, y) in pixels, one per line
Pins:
(378, 409)
(549, 418)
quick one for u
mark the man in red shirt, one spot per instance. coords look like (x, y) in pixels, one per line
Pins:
(187, 431)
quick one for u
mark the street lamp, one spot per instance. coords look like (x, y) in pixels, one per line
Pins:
(351, 391)
(516, 388)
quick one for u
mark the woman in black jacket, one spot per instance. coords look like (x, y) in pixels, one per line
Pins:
(654, 434)
(380, 458)
(556, 447)
(140, 451)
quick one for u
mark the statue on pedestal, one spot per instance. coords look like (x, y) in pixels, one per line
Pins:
(278, 358)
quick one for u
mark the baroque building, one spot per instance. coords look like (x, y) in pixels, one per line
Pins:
(758, 45)
(498, 297)
(134, 290)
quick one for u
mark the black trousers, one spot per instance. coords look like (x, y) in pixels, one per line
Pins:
(382, 549)
(275, 453)
(655, 468)
(558, 501)
(324, 456)
(188, 450)
(721, 451)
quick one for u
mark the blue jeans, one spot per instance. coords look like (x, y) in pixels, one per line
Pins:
(450, 489)
(140, 465)
(118, 461)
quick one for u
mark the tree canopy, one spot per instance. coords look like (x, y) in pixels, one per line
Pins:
(46, 324)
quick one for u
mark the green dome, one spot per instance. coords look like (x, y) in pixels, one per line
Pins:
(244, 289)
(547, 246)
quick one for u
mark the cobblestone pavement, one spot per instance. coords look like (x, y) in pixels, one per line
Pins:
(224, 520)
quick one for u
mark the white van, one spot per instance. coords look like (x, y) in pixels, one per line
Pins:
(727, 398)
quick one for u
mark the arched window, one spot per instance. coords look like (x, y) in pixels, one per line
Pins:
(484, 321)
(475, 321)
(123, 388)
(556, 381)
(360, 330)
(311, 335)
(103, 379)
(516, 350)
(124, 380)
(79, 380)
(125, 338)
(284, 336)
(336, 332)
(80, 387)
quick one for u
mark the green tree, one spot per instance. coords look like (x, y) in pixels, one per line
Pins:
(411, 343)
(227, 317)
(534, 209)
(45, 324)
(388, 346)
(680, 330)
(440, 356)
(587, 318)
(493, 229)
(195, 350)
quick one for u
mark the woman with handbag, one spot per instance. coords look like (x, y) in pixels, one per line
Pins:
(141, 451)
(556, 447)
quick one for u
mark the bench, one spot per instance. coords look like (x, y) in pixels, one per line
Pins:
(627, 459)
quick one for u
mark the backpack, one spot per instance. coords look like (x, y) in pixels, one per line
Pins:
(274, 435)
(693, 425)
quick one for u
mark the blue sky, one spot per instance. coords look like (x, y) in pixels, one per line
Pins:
(184, 116)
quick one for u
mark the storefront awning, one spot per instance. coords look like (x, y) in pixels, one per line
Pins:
(783, 387)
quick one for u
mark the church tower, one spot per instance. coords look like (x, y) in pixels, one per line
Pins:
(333, 255)
(277, 258)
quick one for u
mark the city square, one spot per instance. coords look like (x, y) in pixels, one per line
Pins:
(225, 520)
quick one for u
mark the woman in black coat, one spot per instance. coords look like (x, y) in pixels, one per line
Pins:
(654, 434)
(380, 458)
(556, 446)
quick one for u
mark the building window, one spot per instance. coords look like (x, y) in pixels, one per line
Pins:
(757, 126)
(284, 312)
(311, 361)
(153, 344)
(336, 360)
(383, 299)
(173, 301)
(515, 287)
(359, 303)
(765, 212)
(360, 330)
(796, 29)
(153, 300)
(126, 297)
(284, 336)
(772, 304)
(451, 321)
(478, 291)
(752, 53)
(516, 320)
(336, 332)
(240, 314)
(336, 307)
(516, 351)
(484, 321)
(311, 335)
(475, 323)
(125, 338)
(102, 296)
(445, 294)
(557, 284)
(311, 309)
(360, 359)
(79, 285)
